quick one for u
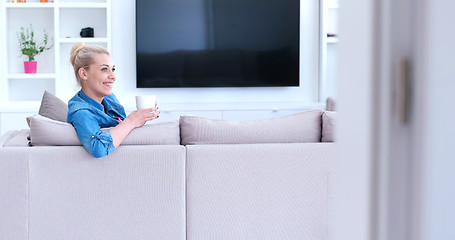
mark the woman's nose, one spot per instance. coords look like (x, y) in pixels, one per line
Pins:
(112, 75)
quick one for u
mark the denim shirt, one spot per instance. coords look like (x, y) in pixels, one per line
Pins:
(88, 117)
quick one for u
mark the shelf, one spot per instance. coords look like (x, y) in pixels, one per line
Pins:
(63, 21)
(82, 5)
(29, 5)
(51, 5)
(28, 87)
(31, 76)
(87, 40)
(93, 17)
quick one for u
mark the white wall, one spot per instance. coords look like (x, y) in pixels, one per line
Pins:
(123, 53)
(221, 103)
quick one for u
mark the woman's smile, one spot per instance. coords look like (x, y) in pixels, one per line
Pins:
(108, 84)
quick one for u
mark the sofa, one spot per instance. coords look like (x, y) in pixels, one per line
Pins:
(195, 178)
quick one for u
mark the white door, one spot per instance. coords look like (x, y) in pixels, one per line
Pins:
(396, 133)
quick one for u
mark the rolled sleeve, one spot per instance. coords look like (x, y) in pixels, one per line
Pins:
(101, 144)
(97, 142)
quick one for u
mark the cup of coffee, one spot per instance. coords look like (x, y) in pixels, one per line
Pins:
(145, 101)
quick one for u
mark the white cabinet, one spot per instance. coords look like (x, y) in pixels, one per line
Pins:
(63, 20)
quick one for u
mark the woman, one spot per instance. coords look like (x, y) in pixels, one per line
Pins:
(95, 106)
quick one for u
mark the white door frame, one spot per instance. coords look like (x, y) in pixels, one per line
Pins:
(353, 202)
(394, 179)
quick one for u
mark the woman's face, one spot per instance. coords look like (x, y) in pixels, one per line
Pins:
(99, 77)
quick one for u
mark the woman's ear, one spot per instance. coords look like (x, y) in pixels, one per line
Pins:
(82, 73)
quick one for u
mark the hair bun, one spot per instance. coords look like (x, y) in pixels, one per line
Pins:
(75, 51)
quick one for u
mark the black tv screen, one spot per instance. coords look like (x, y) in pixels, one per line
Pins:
(217, 43)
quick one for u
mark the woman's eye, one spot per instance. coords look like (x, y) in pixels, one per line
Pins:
(104, 69)
(113, 70)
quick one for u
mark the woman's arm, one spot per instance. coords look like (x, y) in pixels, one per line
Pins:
(135, 119)
(97, 142)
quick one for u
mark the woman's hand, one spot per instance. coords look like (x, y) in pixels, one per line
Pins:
(140, 117)
(135, 119)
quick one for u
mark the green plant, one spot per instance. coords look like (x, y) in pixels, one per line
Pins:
(28, 45)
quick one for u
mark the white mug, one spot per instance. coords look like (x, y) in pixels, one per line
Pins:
(145, 101)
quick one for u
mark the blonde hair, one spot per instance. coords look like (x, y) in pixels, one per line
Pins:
(81, 56)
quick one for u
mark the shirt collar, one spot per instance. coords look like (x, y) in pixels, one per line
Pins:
(90, 101)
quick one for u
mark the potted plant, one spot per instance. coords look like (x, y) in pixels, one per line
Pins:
(30, 48)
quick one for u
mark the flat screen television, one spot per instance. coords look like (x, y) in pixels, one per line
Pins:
(217, 43)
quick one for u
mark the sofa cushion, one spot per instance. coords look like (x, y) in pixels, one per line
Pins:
(162, 133)
(52, 107)
(296, 128)
(330, 104)
(47, 132)
(328, 126)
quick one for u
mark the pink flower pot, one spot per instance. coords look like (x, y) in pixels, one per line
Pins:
(30, 66)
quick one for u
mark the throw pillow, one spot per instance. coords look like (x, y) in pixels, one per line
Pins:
(296, 128)
(52, 107)
(328, 126)
(47, 132)
(161, 133)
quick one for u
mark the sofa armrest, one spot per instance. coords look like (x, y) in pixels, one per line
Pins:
(6, 136)
(17, 139)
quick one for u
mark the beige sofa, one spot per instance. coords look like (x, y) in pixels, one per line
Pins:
(208, 179)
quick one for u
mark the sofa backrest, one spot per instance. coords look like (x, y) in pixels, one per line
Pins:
(309, 126)
(137, 192)
(259, 191)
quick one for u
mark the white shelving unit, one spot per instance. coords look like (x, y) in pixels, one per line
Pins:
(63, 21)
(332, 20)
(328, 25)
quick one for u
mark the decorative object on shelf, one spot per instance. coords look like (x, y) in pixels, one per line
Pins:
(43, 1)
(30, 66)
(87, 32)
(19, 1)
(30, 48)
